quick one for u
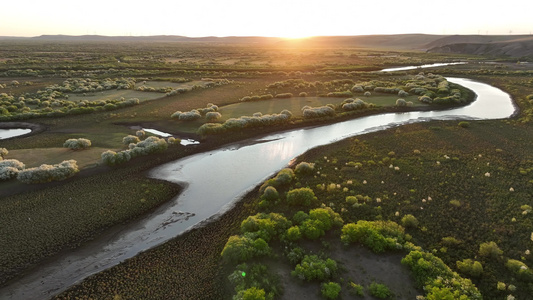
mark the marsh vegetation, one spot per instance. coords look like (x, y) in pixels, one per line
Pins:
(450, 194)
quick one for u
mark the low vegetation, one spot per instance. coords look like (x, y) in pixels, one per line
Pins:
(449, 197)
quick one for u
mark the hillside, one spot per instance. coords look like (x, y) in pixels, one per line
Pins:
(514, 46)
(491, 45)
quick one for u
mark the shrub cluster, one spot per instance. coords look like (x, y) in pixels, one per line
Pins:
(150, 145)
(47, 173)
(245, 122)
(196, 114)
(77, 144)
(313, 267)
(318, 112)
(256, 97)
(353, 104)
(9, 168)
(440, 282)
(379, 236)
(254, 281)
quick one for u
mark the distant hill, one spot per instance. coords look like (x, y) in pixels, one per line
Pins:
(491, 45)
(496, 45)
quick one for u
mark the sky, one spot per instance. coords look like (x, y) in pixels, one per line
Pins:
(280, 18)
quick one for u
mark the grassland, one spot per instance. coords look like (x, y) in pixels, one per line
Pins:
(80, 208)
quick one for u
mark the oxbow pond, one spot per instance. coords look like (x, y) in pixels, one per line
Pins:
(215, 180)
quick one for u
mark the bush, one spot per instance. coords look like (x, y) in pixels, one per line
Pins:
(252, 293)
(470, 267)
(130, 139)
(331, 290)
(189, 116)
(318, 112)
(409, 221)
(265, 226)
(293, 233)
(77, 144)
(401, 103)
(354, 105)
(431, 273)
(379, 236)
(3, 153)
(312, 229)
(314, 268)
(490, 249)
(47, 173)
(210, 128)
(464, 124)
(212, 116)
(379, 290)
(284, 95)
(242, 248)
(9, 168)
(140, 133)
(304, 168)
(301, 197)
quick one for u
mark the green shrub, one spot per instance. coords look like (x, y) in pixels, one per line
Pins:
(464, 124)
(304, 168)
(293, 234)
(470, 267)
(301, 197)
(314, 268)
(490, 249)
(312, 229)
(331, 290)
(356, 289)
(409, 221)
(265, 226)
(242, 248)
(270, 194)
(379, 290)
(379, 236)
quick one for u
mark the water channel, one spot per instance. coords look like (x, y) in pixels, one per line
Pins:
(215, 180)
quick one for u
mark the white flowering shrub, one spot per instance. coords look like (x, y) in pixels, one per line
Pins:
(355, 104)
(190, 115)
(140, 133)
(10, 168)
(3, 153)
(77, 144)
(401, 102)
(403, 93)
(150, 145)
(47, 173)
(318, 112)
(130, 139)
(425, 99)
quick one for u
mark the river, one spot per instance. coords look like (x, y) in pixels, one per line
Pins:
(215, 180)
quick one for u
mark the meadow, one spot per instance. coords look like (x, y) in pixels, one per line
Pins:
(467, 208)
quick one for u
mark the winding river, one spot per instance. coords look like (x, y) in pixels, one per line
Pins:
(216, 180)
